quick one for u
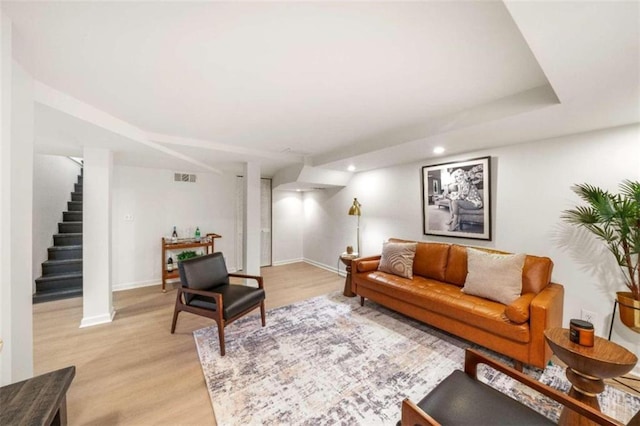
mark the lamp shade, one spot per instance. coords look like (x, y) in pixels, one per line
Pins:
(354, 210)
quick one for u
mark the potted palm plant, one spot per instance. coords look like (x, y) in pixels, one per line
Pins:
(615, 219)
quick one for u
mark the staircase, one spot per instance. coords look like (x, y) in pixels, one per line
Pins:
(62, 272)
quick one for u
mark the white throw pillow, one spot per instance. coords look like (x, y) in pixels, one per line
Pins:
(494, 276)
(397, 258)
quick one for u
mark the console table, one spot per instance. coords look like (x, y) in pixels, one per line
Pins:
(586, 369)
(208, 242)
(41, 400)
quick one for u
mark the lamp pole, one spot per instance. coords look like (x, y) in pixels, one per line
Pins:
(358, 236)
(354, 210)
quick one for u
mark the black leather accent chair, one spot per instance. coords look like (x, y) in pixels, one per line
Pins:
(461, 399)
(206, 290)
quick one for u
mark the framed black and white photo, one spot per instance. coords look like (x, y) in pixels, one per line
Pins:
(456, 199)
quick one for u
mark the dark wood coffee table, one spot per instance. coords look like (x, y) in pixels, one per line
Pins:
(586, 369)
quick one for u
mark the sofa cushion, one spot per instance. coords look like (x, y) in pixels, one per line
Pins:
(431, 259)
(536, 273)
(518, 310)
(494, 276)
(456, 272)
(447, 300)
(397, 258)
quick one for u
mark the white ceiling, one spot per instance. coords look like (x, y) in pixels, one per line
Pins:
(206, 86)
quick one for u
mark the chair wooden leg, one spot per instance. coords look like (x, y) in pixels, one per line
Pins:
(221, 338)
(361, 300)
(262, 314)
(176, 311)
(175, 320)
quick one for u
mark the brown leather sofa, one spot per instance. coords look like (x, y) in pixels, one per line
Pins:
(434, 296)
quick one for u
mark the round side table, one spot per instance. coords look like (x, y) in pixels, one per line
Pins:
(346, 260)
(586, 369)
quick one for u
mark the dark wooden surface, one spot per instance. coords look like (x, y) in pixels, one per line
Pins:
(346, 260)
(40, 400)
(604, 359)
(586, 367)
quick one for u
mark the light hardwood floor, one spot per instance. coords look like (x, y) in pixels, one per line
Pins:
(133, 371)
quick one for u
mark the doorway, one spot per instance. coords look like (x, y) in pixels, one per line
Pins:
(265, 222)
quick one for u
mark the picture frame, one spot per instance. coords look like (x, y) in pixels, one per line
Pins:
(456, 199)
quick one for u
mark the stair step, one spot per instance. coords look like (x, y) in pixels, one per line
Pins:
(77, 187)
(69, 227)
(51, 295)
(70, 239)
(76, 196)
(65, 252)
(63, 266)
(59, 281)
(74, 206)
(80, 179)
(72, 216)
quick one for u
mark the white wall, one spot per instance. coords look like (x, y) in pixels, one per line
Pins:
(16, 324)
(287, 214)
(5, 199)
(157, 203)
(531, 188)
(53, 179)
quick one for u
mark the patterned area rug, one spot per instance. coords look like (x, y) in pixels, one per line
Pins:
(329, 361)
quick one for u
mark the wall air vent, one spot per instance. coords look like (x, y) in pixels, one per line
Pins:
(184, 177)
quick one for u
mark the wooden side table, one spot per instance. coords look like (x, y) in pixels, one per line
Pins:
(346, 260)
(586, 369)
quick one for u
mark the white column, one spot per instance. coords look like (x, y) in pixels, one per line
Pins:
(251, 231)
(5, 205)
(16, 183)
(96, 237)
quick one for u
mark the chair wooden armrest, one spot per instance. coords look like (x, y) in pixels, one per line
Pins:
(258, 278)
(200, 293)
(473, 358)
(413, 415)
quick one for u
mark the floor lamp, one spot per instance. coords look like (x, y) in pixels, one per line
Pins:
(354, 210)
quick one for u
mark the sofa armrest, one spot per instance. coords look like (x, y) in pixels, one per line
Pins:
(546, 312)
(365, 264)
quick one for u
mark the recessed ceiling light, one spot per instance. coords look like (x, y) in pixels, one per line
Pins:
(438, 150)
(351, 168)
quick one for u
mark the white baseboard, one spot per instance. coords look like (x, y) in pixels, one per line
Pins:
(137, 284)
(156, 282)
(287, 262)
(98, 319)
(323, 266)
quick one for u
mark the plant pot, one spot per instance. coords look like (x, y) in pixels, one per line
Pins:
(629, 310)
